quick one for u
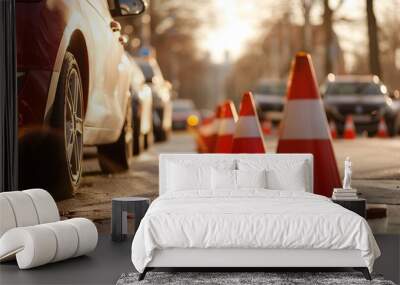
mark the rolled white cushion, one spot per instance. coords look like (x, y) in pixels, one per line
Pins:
(87, 235)
(67, 240)
(7, 218)
(45, 205)
(41, 244)
(33, 246)
(23, 208)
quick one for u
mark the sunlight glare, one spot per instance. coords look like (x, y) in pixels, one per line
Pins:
(233, 29)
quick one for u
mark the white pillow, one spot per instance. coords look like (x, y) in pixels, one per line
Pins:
(251, 178)
(223, 179)
(289, 179)
(280, 175)
(183, 177)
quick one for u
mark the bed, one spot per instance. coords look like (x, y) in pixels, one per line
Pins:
(246, 211)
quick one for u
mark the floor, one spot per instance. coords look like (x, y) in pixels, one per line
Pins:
(104, 266)
(110, 260)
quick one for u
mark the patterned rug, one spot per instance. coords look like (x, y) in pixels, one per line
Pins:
(229, 278)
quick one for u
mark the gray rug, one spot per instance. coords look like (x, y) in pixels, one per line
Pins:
(228, 278)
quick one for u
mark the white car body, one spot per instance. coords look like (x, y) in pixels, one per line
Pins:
(143, 91)
(109, 74)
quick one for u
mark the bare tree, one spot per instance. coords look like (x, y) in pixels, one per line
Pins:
(328, 20)
(307, 33)
(327, 24)
(374, 63)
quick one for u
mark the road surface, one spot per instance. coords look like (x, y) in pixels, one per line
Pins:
(373, 160)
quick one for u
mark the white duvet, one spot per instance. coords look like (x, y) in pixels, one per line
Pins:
(250, 219)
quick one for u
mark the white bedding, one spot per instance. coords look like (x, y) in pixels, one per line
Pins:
(251, 218)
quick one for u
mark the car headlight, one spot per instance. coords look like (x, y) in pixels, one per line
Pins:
(389, 101)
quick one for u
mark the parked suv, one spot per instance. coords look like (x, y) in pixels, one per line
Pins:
(365, 98)
(162, 104)
(184, 114)
(73, 89)
(269, 96)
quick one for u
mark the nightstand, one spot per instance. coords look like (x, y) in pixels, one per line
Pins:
(120, 209)
(358, 206)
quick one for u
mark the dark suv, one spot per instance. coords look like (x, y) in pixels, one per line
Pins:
(365, 98)
(269, 96)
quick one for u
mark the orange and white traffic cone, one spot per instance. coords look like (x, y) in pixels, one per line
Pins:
(382, 129)
(205, 134)
(248, 137)
(333, 129)
(226, 129)
(349, 128)
(305, 129)
(266, 127)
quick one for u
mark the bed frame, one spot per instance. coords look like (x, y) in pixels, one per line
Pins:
(242, 259)
(246, 259)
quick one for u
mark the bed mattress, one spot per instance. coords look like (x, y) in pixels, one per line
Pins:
(250, 219)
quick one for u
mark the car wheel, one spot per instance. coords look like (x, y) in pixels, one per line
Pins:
(115, 157)
(373, 131)
(339, 128)
(161, 135)
(51, 157)
(158, 126)
(148, 139)
(393, 126)
(138, 137)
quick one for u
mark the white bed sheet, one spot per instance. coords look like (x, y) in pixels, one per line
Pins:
(252, 218)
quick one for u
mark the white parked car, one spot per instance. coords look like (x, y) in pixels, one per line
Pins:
(73, 89)
(162, 96)
(142, 108)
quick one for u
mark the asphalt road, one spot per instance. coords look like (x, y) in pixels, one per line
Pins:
(373, 159)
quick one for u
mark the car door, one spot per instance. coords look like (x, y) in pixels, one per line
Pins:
(106, 103)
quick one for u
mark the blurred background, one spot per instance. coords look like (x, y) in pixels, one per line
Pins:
(105, 86)
(215, 49)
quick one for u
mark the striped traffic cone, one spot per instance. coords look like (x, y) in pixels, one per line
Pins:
(349, 128)
(305, 127)
(333, 129)
(226, 129)
(382, 129)
(248, 137)
(205, 134)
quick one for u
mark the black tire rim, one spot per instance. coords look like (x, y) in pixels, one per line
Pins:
(73, 125)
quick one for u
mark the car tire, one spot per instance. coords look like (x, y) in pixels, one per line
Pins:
(115, 157)
(51, 157)
(138, 137)
(393, 126)
(373, 131)
(159, 134)
(148, 139)
(339, 128)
